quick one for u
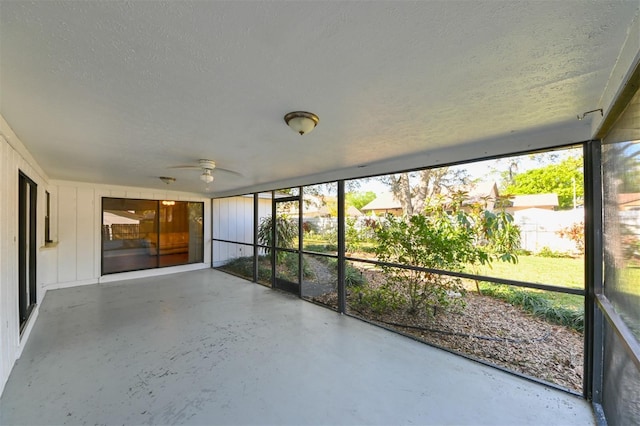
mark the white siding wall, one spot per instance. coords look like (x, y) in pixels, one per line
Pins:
(14, 158)
(78, 224)
(233, 221)
(229, 217)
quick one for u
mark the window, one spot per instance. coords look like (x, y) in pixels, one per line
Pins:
(27, 205)
(145, 234)
(47, 218)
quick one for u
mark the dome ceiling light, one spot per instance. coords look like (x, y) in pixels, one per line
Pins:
(301, 122)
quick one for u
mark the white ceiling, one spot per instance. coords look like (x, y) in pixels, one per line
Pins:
(117, 93)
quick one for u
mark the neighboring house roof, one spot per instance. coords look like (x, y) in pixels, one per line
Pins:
(535, 200)
(383, 201)
(387, 201)
(628, 197)
(483, 192)
(353, 212)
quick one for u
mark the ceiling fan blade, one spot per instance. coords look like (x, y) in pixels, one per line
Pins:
(185, 166)
(204, 165)
(220, 169)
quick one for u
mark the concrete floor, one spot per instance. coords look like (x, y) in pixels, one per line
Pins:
(205, 347)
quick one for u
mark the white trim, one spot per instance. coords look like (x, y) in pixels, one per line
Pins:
(151, 192)
(68, 284)
(152, 272)
(24, 337)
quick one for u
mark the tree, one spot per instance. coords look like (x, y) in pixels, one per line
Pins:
(561, 179)
(359, 199)
(415, 190)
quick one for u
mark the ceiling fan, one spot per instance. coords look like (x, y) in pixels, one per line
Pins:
(207, 167)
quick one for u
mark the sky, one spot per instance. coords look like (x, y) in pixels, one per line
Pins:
(489, 170)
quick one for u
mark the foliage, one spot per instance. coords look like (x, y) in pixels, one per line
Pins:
(445, 237)
(320, 248)
(547, 252)
(377, 299)
(574, 233)
(538, 305)
(332, 206)
(353, 236)
(352, 276)
(496, 232)
(433, 240)
(286, 232)
(243, 266)
(287, 267)
(331, 238)
(309, 227)
(554, 178)
(416, 190)
(359, 199)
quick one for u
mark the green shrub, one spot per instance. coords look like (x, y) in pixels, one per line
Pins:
(243, 266)
(321, 248)
(431, 240)
(379, 300)
(523, 252)
(286, 232)
(288, 267)
(352, 276)
(547, 252)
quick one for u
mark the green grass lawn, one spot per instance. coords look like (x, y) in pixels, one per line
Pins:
(629, 280)
(561, 272)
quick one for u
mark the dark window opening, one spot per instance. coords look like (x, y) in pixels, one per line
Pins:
(47, 218)
(27, 204)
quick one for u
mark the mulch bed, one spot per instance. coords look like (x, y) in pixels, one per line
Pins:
(494, 331)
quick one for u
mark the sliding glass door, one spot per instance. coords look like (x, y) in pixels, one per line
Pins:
(145, 234)
(27, 198)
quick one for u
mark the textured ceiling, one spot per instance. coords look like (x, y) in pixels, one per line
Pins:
(117, 93)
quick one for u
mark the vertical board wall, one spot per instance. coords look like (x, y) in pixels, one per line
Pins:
(78, 232)
(11, 162)
(233, 221)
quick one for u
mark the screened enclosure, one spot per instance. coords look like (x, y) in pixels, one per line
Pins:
(499, 260)
(461, 260)
(617, 291)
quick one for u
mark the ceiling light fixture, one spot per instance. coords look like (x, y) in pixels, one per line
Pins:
(301, 121)
(206, 176)
(167, 179)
